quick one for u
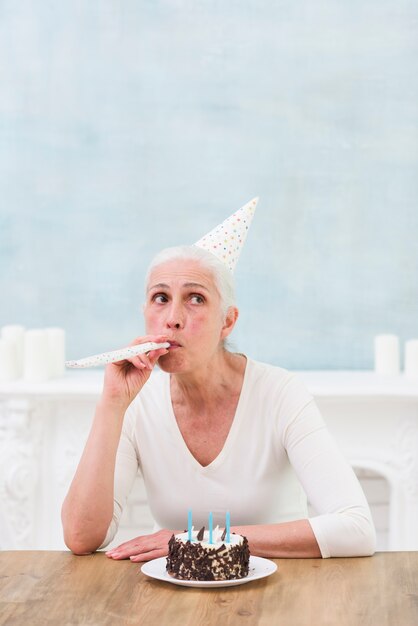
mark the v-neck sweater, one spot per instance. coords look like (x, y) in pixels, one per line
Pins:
(278, 453)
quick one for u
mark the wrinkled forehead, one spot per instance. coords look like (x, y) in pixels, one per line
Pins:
(181, 272)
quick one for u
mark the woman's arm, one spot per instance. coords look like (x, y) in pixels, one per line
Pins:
(345, 534)
(288, 539)
(343, 524)
(88, 507)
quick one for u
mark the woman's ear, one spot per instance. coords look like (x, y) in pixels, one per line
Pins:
(230, 320)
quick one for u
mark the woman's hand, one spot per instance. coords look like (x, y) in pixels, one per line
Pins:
(143, 548)
(125, 379)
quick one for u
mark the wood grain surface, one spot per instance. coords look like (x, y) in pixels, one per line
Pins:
(42, 588)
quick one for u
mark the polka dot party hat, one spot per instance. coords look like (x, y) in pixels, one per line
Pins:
(227, 240)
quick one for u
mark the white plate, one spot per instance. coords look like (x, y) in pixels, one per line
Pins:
(259, 568)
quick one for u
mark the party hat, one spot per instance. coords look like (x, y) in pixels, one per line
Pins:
(227, 239)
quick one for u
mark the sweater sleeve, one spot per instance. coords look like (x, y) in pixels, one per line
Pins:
(343, 526)
(126, 469)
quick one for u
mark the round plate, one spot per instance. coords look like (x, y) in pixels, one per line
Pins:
(259, 568)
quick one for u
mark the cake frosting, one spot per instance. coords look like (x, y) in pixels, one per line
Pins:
(200, 560)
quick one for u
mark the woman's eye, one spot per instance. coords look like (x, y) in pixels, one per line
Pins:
(159, 298)
(196, 299)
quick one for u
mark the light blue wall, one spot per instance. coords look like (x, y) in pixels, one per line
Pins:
(126, 126)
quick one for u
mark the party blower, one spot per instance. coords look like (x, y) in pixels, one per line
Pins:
(117, 355)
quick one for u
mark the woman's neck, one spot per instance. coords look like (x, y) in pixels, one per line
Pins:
(204, 387)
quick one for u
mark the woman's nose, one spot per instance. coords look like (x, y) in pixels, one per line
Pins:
(171, 323)
(175, 318)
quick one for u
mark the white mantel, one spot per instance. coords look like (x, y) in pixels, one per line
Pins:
(43, 428)
(321, 383)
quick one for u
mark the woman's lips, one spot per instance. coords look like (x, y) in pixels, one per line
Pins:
(174, 345)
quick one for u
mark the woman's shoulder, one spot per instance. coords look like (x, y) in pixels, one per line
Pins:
(276, 379)
(268, 373)
(282, 393)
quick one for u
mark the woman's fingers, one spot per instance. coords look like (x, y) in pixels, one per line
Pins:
(124, 379)
(142, 546)
(154, 355)
(148, 556)
(138, 361)
(148, 339)
(147, 361)
(127, 549)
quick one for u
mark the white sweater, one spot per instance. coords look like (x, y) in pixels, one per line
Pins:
(277, 454)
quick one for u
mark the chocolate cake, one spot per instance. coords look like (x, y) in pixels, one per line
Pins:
(200, 560)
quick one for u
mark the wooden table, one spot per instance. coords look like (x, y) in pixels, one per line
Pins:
(57, 588)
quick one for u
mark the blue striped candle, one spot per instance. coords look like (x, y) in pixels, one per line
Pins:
(228, 527)
(189, 525)
(211, 527)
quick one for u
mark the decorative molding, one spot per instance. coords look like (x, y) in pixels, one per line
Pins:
(405, 456)
(74, 424)
(21, 433)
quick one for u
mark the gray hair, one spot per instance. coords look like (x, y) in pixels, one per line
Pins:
(222, 276)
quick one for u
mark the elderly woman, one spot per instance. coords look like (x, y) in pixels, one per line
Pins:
(212, 431)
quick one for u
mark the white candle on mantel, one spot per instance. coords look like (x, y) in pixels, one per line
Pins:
(386, 355)
(56, 342)
(16, 333)
(36, 356)
(411, 358)
(9, 368)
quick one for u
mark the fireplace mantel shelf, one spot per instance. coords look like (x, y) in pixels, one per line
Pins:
(321, 383)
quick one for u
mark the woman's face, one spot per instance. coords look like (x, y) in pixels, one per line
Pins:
(182, 302)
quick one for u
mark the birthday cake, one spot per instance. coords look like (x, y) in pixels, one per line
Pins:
(201, 560)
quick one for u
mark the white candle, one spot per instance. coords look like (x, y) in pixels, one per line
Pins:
(9, 368)
(56, 343)
(36, 356)
(411, 358)
(386, 355)
(16, 333)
